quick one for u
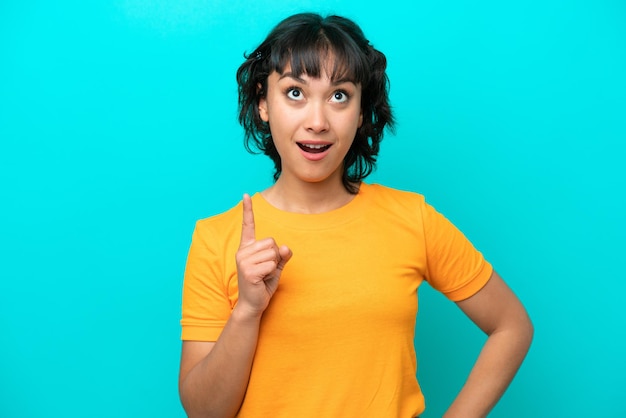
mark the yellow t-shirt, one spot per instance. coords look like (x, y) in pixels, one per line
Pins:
(337, 337)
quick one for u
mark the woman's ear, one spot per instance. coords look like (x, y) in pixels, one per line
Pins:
(263, 110)
(262, 104)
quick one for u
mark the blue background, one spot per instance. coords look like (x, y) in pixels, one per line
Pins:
(118, 130)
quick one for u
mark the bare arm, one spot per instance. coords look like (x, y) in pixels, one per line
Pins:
(214, 375)
(499, 313)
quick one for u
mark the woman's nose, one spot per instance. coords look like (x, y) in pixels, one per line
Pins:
(316, 120)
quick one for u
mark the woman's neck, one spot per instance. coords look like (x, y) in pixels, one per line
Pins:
(307, 198)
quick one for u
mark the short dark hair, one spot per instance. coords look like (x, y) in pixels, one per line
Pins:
(303, 41)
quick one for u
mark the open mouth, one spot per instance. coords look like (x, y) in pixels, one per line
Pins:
(313, 148)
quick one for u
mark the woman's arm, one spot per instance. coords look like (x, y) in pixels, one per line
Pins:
(499, 313)
(214, 375)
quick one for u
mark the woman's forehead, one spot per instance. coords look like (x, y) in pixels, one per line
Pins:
(318, 64)
(305, 77)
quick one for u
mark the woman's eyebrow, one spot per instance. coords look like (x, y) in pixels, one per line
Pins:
(343, 80)
(292, 75)
(303, 81)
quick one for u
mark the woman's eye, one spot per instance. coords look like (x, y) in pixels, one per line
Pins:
(340, 97)
(294, 94)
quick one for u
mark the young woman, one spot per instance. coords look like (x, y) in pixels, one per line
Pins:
(301, 301)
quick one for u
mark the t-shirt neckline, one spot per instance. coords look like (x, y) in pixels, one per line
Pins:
(315, 221)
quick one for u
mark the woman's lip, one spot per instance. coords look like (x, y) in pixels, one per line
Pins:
(319, 143)
(314, 148)
(314, 155)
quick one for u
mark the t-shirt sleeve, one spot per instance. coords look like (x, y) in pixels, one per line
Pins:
(454, 266)
(206, 305)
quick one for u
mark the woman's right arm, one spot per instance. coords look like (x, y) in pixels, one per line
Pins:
(214, 375)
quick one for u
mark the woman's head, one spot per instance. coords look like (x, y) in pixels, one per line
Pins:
(312, 45)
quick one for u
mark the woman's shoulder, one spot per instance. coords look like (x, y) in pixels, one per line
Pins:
(221, 222)
(390, 203)
(381, 193)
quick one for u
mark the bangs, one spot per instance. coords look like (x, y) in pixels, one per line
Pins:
(314, 51)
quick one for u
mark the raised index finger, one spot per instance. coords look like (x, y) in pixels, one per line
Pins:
(247, 227)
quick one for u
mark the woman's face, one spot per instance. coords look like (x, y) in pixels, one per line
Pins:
(313, 122)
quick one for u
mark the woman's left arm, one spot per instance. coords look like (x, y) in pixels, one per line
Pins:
(499, 313)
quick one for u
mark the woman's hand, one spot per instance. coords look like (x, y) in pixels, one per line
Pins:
(259, 265)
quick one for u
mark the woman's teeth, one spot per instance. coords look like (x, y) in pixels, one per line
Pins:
(313, 148)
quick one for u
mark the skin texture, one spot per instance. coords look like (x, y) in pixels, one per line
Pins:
(314, 111)
(498, 312)
(214, 375)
